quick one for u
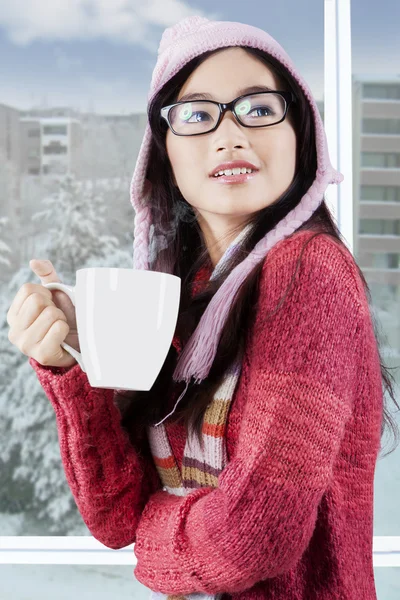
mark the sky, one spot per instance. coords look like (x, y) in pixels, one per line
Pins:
(98, 55)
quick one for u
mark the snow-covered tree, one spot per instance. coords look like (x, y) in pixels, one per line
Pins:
(8, 198)
(4, 247)
(75, 216)
(32, 479)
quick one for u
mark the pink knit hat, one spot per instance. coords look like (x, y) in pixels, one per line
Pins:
(179, 44)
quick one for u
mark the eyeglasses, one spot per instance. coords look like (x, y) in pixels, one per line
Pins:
(251, 110)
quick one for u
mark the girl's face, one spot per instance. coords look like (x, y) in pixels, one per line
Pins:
(222, 209)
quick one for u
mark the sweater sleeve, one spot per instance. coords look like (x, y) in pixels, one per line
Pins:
(110, 479)
(258, 521)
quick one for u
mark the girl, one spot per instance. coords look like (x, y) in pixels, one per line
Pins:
(255, 480)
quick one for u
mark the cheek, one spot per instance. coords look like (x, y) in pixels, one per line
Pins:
(187, 162)
(283, 156)
(171, 149)
(174, 152)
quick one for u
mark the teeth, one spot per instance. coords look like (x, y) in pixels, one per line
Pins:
(236, 171)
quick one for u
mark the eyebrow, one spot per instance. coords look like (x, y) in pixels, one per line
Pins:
(204, 96)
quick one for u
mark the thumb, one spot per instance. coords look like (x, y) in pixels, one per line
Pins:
(44, 270)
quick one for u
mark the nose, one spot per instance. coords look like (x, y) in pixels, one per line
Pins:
(229, 133)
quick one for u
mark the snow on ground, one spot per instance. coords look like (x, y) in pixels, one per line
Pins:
(11, 524)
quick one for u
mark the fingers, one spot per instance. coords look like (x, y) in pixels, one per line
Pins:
(33, 307)
(50, 350)
(44, 337)
(35, 325)
(26, 290)
(44, 270)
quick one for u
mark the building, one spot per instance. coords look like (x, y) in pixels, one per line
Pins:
(376, 179)
(50, 145)
(10, 167)
(9, 134)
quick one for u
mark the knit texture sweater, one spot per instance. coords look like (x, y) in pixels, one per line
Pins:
(292, 516)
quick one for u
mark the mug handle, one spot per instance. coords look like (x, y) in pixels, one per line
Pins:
(70, 291)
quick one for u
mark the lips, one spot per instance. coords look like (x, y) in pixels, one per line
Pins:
(234, 179)
(238, 164)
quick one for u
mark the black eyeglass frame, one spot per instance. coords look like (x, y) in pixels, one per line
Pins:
(289, 98)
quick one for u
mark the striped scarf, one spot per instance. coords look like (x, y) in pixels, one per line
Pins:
(200, 466)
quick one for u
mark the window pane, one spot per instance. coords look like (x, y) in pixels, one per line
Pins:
(372, 159)
(55, 129)
(387, 92)
(376, 243)
(380, 160)
(386, 261)
(379, 193)
(383, 126)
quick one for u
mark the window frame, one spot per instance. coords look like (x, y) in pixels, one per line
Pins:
(86, 550)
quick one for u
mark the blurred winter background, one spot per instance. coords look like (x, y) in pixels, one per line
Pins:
(74, 81)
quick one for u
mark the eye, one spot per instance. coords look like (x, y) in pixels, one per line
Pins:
(199, 117)
(249, 109)
(188, 114)
(261, 108)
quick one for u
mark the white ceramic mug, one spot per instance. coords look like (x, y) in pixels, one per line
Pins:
(126, 319)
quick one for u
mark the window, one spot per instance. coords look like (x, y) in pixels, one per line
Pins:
(54, 148)
(386, 261)
(380, 160)
(380, 226)
(32, 542)
(55, 129)
(55, 169)
(381, 126)
(381, 92)
(379, 193)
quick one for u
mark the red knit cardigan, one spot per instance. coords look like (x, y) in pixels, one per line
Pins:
(292, 516)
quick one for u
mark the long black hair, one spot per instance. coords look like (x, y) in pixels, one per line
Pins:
(177, 246)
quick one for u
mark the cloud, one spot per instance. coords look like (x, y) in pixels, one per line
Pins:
(64, 62)
(119, 21)
(89, 93)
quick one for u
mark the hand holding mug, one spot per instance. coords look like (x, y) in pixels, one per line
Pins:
(41, 320)
(125, 321)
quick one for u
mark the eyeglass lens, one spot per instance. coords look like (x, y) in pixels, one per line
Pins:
(254, 111)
